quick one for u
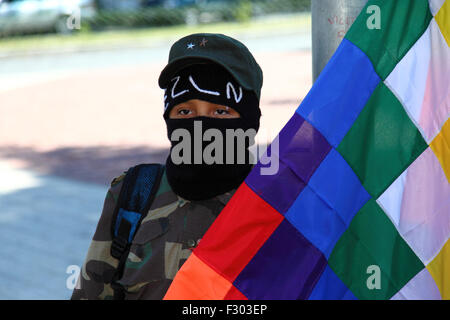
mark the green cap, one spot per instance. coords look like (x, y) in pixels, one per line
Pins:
(221, 49)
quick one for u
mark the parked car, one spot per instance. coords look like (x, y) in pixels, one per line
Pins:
(33, 16)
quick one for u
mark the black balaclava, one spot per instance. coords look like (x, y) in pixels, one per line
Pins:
(209, 82)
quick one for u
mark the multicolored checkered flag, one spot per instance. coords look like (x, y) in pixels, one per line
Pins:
(360, 206)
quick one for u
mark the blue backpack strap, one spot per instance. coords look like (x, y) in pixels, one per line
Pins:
(136, 196)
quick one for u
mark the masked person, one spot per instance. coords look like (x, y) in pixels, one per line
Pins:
(212, 87)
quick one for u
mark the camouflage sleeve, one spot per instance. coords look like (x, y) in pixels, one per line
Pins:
(99, 266)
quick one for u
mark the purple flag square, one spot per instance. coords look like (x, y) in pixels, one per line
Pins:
(287, 267)
(279, 190)
(302, 147)
(299, 149)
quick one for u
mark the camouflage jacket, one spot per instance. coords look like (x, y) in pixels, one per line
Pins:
(171, 230)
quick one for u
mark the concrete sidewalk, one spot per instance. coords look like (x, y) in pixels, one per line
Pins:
(46, 224)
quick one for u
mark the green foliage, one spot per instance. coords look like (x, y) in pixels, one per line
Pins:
(146, 17)
(243, 11)
(85, 27)
(263, 7)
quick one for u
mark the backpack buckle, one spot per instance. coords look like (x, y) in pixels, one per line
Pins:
(118, 247)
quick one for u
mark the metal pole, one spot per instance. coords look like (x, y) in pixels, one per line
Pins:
(330, 21)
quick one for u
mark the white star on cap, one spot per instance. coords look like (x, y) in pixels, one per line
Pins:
(190, 45)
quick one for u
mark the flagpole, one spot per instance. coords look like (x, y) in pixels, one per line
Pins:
(330, 20)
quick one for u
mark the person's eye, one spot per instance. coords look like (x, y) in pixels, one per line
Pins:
(222, 112)
(184, 112)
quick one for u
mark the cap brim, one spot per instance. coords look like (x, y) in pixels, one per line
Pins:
(178, 64)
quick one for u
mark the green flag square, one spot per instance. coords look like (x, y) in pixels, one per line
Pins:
(382, 142)
(385, 30)
(371, 257)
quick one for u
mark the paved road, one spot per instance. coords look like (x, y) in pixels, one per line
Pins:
(64, 134)
(25, 70)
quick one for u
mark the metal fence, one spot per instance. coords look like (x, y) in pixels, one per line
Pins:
(20, 17)
(168, 13)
